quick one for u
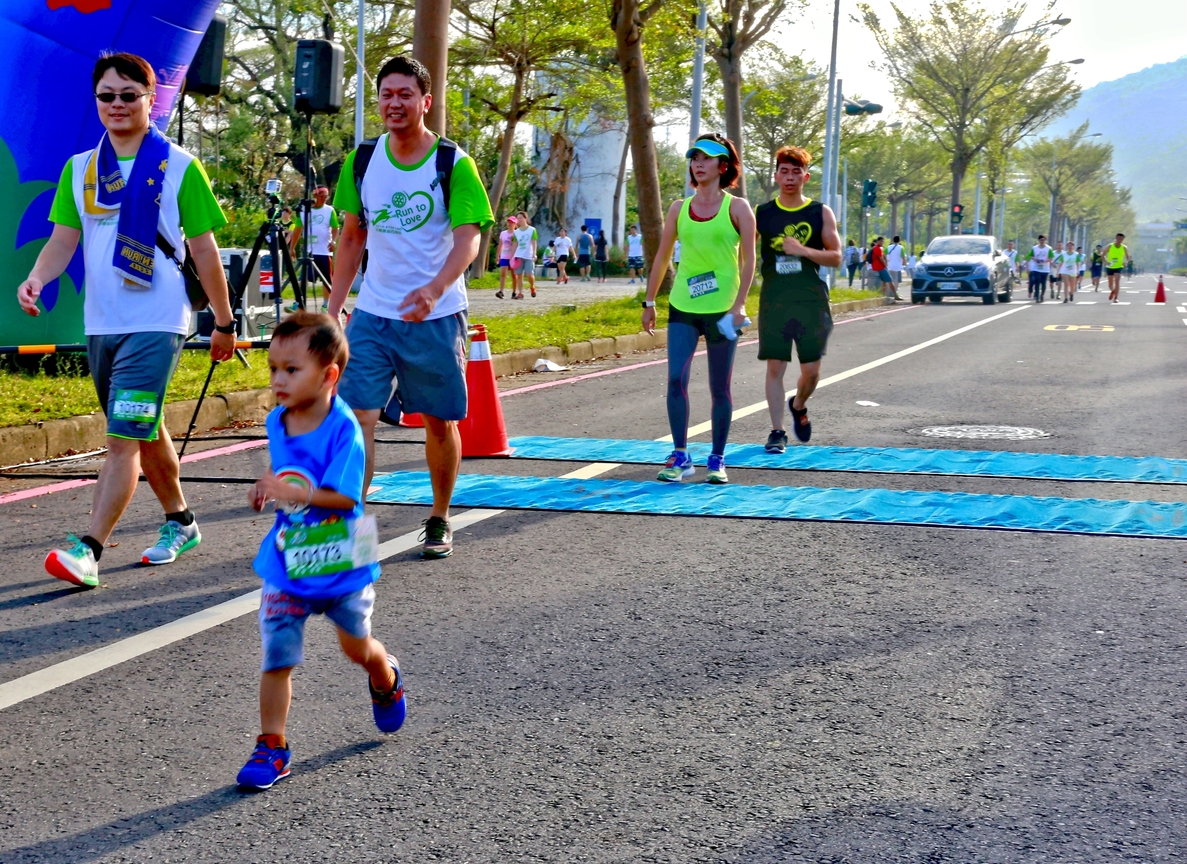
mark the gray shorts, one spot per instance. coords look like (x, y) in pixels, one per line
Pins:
(131, 372)
(525, 266)
(427, 360)
(282, 622)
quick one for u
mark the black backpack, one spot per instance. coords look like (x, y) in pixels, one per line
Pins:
(446, 156)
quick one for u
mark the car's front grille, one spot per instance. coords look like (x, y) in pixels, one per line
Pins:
(948, 271)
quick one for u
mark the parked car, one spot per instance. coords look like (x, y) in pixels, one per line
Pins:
(962, 265)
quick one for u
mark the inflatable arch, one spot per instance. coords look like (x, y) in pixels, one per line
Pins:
(47, 114)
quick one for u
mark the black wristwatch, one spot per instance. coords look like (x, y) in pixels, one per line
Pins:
(229, 329)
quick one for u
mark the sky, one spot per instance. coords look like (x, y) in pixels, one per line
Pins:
(1114, 38)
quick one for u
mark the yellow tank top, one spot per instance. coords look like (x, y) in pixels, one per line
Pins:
(707, 279)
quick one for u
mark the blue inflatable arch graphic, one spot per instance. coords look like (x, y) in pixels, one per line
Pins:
(47, 114)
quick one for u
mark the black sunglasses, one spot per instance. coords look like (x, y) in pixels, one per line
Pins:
(126, 96)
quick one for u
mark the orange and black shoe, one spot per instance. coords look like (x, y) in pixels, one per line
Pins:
(799, 421)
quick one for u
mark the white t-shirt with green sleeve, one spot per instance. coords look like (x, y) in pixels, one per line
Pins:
(409, 234)
(111, 304)
(321, 220)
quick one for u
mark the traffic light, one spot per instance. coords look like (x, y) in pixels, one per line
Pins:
(869, 193)
(957, 213)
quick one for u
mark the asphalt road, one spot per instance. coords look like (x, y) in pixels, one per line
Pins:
(587, 687)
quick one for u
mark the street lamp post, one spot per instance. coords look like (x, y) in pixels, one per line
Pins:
(828, 167)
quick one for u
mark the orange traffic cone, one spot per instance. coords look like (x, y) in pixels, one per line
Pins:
(412, 421)
(1160, 294)
(483, 431)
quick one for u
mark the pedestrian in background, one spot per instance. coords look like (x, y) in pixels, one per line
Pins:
(564, 247)
(601, 254)
(634, 254)
(584, 252)
(852, 260)
(506, 239)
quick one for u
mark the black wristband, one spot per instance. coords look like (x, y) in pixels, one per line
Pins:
(229, 329)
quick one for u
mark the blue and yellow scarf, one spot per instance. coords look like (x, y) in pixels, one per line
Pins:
(138, 201)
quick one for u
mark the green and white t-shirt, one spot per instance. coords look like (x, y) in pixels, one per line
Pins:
(321, 220)
(525, 243)
(409, 234)
(112, 305)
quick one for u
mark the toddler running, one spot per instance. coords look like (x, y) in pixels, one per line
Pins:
(322, 554)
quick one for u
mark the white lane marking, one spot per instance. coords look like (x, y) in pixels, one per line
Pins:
(1085, 302)
(1121, 303)
(1155, 304)
(1182, 310)
(68, 671)
(1185, 320)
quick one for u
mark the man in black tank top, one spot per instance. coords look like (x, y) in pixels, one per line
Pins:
(797, 236)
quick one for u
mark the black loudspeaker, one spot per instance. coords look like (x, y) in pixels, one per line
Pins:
(205, 75)
(318, 81)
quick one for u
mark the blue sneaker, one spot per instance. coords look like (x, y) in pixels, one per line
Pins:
(266, 765)
(716, 470)
(389, 708)
(678, 466)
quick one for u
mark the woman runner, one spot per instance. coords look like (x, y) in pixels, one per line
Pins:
(708, 298)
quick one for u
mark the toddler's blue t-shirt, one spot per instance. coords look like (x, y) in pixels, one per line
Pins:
(329, 457)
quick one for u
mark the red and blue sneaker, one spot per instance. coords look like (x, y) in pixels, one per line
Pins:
(389, 708)
(269, 762)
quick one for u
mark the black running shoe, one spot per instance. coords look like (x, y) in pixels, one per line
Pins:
(438, 538)
(800, 422)
(777, 441)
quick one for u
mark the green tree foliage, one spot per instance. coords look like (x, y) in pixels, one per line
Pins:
(533, 50)
(736, 26)
(964, 71)
(1076, 174)
(782, 108)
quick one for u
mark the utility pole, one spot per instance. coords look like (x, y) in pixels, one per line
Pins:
(430, 45)
(360, 86)
(829, 166)
(698, 81)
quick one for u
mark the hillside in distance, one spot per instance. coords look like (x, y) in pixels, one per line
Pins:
(1144, 117)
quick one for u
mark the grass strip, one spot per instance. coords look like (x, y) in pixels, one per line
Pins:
(36, 396)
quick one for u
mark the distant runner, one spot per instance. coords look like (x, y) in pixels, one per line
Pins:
(1069, 271)
(797, 236)
(1098, 266)
(1116, 257)
(1039, 263)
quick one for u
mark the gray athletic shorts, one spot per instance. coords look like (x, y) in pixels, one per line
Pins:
(131, 372)
(427, 360)
(283, 615)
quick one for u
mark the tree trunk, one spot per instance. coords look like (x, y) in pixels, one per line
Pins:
(500, 181)
(615, 220)
(931, 225)
(430, 45)
(989, 208)
(731, 81)
(893, 217)
(627, 25)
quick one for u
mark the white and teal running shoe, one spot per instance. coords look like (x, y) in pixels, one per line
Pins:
(175, 538)
(76, 565)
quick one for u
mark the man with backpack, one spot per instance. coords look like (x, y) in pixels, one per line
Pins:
(414, 202)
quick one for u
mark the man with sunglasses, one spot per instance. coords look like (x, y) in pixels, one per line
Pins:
(122, 199)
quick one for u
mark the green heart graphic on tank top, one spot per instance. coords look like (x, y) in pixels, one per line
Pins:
(404, 213)
(801, 231)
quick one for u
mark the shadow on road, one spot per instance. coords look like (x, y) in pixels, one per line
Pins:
(102, 840)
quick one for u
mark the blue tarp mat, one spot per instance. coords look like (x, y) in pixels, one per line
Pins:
(884, 506)
(877, 460)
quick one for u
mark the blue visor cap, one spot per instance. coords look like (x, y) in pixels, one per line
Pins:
(709, 148)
